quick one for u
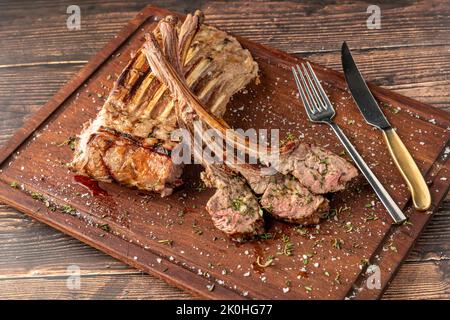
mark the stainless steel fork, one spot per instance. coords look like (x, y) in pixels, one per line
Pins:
(319, 109)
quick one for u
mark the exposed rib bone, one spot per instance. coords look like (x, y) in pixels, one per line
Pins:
(293, 202)
(234, 209)
(296, 161)
(141, 109)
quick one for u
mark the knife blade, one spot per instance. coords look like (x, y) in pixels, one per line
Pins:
(361, 93)
(374, 116)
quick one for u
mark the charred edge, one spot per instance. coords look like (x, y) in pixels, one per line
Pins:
(136, 142)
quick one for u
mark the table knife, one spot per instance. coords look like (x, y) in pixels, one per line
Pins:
(373, 115)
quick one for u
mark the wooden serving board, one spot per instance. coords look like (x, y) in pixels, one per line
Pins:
(326, 263)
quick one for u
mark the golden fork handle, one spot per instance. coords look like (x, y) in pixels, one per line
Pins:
(405, 163)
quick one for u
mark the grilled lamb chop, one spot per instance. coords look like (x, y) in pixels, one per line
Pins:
(283, 196)
(234, 209)
(138, 116)
(319, 170)
(286, 199)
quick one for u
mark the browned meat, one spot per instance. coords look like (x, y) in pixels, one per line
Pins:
(319, 170)
(233, 208)
(283, 196)
(286, 199)
(140, 106)
(116, 157)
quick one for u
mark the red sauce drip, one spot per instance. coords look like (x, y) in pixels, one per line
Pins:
(91, 185)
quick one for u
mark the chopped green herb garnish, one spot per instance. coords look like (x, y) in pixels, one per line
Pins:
(348, 227)
(288, 246)
(337, 279)
(166, 241)
(14, 185)
(50, 205)
(290, 136)
(308, 289)
(329, 214)
(37, 196)
(337, 243)
(105, 227)
(68, 209)
(407, 223)
(197, 229)
(370, 217)
(68, 142)
(267, 263)
(201, 187)
(266, 236)
(301, 230)
(239, 205)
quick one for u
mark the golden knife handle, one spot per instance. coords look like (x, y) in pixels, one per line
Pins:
(405, 163)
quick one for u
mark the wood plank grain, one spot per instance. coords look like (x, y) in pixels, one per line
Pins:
(425, 280)
(415, 281)
(434, 243)
(111, 286)
(27, 268)
(421, 73)
(293, 27)
(24, 90)
(424, 76)
(29, 248)
(427, 86)
(46, 32)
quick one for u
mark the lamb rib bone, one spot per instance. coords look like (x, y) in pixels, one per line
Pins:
(233, 208)
(319, 170)
(284, 197)
(138, 115)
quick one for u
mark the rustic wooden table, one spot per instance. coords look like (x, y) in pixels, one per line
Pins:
(410, 54)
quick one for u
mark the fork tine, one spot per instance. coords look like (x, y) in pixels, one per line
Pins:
(302, 92)
(324, 96)
(319, 103)
(313, 104)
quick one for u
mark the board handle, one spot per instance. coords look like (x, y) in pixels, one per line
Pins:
(405, 163)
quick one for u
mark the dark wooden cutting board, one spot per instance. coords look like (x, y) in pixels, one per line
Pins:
(327, 262)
